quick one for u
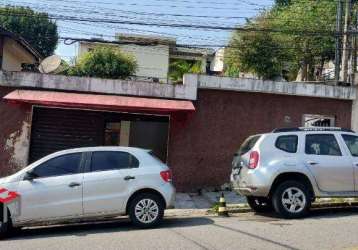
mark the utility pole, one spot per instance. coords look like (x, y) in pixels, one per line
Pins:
(346, 42)
(338, 40)
(355, 50)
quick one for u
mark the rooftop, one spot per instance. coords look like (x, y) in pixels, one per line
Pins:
(163, 40)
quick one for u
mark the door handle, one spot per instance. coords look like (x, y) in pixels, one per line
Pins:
(127, 178)
(356, 164)
(312, 163)
(74, 184)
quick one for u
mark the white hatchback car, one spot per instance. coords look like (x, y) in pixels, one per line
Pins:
(89, 183)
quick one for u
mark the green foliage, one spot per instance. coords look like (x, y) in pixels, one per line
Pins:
(215, 207)
(104, 62)
(179, 67)
(298, 44)
(254, 52)
(34, 27)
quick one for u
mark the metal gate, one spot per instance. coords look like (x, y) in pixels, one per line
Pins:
(58, 129)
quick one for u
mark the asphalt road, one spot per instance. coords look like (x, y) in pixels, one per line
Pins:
(326, 229)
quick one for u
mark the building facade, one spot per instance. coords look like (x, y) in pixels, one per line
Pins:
(15, 52)
(195, 127)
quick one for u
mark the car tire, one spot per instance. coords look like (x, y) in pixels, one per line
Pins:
(259, 204)
(292, 200)
(5, 228)
(146, 210)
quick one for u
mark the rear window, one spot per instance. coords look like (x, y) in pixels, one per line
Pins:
(112, 160)
(287, 143)
(322, 144)
(248, 144)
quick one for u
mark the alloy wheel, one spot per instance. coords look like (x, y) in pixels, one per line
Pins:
(146, 211)
(293, 200)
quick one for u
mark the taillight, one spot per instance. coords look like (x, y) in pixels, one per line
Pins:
(166, 175)
(254, 159)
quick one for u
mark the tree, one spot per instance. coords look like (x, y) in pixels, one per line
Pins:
(254, 52)
(312, 40)
(104, 62)
(295, 36)
(34, 27)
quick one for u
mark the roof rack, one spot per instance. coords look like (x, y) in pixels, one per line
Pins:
(297, 129)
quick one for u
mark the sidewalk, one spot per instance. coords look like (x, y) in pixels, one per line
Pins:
(206, 200)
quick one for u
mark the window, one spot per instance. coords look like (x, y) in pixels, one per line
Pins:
(287, 143)
(318, 121)
(322, 144)
(112, 160)
(248, 144)
(352, 143)
(61, 165)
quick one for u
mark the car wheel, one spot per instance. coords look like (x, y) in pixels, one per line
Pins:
(146, 210)
(259, 204)
(291, 200)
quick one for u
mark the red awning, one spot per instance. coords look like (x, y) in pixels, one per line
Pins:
(94, 101)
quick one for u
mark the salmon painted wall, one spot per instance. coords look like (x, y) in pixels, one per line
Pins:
(15, 126)
(202, 145)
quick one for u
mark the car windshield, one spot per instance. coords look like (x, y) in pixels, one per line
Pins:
(248, 144)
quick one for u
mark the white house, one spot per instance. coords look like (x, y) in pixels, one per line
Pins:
(155, 53)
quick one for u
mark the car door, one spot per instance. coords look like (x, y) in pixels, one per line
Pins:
(330, 165)
(55, 192)
(351, 141)
(108, 181)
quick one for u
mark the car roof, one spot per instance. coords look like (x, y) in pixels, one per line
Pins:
(102, 148)
(312, 129)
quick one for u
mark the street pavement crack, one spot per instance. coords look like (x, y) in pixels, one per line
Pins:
(256, 237)
(191, 240)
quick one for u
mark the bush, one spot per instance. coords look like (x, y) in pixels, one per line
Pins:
(104, 62)
(179, 67)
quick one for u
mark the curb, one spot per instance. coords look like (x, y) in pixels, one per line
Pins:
(335, 204)
(246, 209)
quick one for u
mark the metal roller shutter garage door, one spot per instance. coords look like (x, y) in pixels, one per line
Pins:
(58, 129)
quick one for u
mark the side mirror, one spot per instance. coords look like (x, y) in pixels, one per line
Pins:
(29, 176)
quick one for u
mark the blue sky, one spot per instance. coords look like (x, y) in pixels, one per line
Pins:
(218, 12)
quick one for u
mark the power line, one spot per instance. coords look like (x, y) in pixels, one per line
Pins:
(162, 14)
(173, 6)
(177, 25)
(71, 40)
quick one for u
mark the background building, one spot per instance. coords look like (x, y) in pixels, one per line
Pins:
(154, 55)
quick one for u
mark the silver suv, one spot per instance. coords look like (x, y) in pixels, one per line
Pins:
(288, 168)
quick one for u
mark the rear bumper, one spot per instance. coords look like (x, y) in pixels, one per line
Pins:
(251, 191)
(169, 196)
(251, 183)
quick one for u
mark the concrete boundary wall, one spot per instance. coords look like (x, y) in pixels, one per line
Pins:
(271, 87)
(96, 85)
